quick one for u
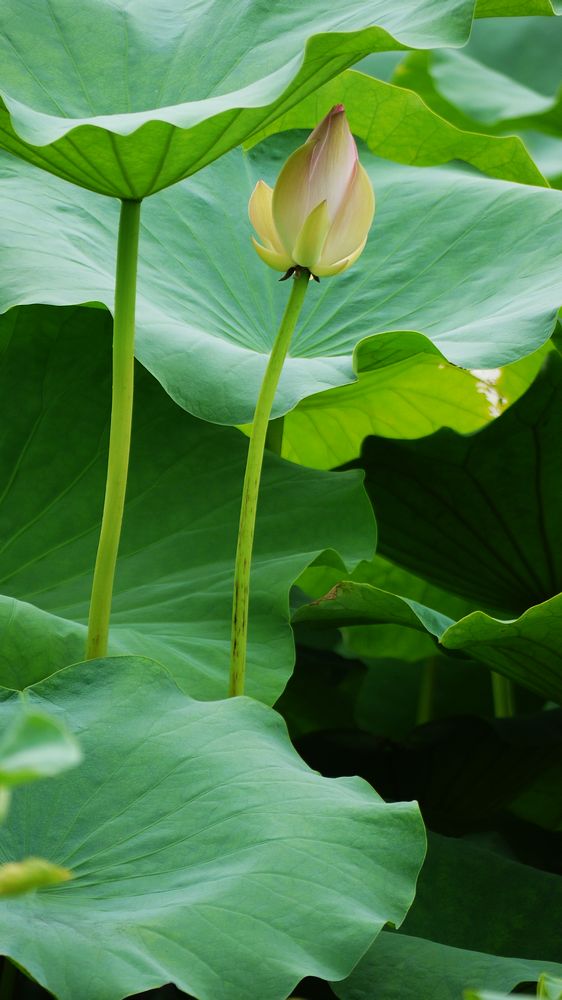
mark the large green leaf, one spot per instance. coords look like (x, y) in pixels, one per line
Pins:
(517, 8)
(378, 618)
(407, 968)
(474, 912)
(128, 98)
(479, 514)
(397, 124)
(34, 642)
(204, 851)
(527, 650)
(407, 639)
(472, 264)
(540, 128)
(409, 398)
(351, 603)
(173, 588)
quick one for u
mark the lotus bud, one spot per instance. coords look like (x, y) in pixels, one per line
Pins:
(319, 213)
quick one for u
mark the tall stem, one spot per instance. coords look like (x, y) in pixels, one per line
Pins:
(251, 486)
(503, 696)
(120, 430)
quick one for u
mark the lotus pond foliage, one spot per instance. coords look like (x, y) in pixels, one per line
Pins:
(280, 481)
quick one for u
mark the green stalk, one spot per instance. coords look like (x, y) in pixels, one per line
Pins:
(120, 430)
(503, 696)
(252, 483)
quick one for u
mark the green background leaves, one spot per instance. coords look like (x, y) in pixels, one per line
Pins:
(174, 582)
(205, 852)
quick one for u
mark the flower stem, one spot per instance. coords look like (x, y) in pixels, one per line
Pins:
(251, 486)
(120, 430)
(503, 696)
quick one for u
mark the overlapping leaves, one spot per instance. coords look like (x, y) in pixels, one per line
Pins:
(470, 264)
(153, 103)
(459, 510)
(397, 124)
(174, 581)
(508, 79)
(477, 514)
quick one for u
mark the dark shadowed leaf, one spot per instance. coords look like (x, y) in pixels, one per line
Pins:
(474, 911)
(478, 514)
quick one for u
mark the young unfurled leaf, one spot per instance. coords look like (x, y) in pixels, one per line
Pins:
(18, 877)
(36, 746)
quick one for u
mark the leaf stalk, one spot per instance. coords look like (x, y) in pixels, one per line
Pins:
(120, 429)
(503, 696)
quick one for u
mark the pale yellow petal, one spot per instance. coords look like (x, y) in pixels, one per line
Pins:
(328, 270)
(278, 261)
(318, 132)
(353, 220)
(290, 201)
(333, 163)
(261, 216)
(308, 248)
